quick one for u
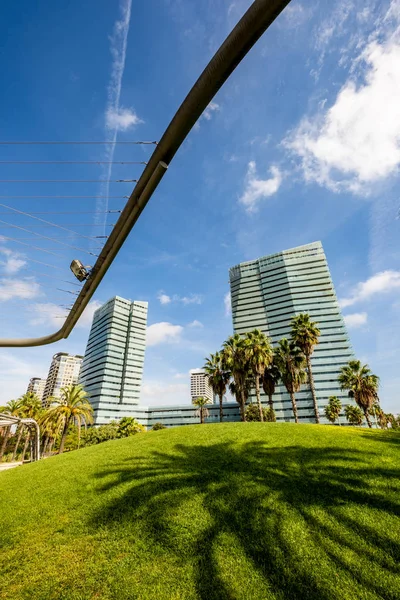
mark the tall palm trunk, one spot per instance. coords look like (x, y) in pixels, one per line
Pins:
(45, 444)
(201, 415)
(21, 428)
(64, 436)
(367, 417)
(7, 432)
(312, 388)
(294, 406)
(258, 398)
(243, 405)
(51, 445)
(221, 410)
(28, 435)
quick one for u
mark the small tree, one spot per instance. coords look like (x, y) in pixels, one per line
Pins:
(129, 426)
(291, 361)
(201, 404)
(332, 409)
(218, 378)
(305, 334)
(259, 356)
(235, 360)
(362, 385)
(270, 380)
(253, 413)
(353, 414)
(158, 426)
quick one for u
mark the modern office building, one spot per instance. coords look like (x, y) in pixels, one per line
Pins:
(112, 368)
(266, 293)
(36, 386)
(64, 370)
(200, 385)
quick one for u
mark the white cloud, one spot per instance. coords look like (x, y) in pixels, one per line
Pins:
(356, 142)
(15, 374)
(185, 300)
(164, 393)
(46, 313)
(18, 288)
(191, 299)
(86, 318)
(163, 333)
(196, 324)
(164, 298)
(355, 320)
(228, 304)
(121, 119)
(182, 375)
(386, 281)
(13, 263)
(295, 15)
(211, 108)
(257, 189)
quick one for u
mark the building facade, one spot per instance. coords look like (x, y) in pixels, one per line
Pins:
(64, 370)
(36, 386)
(266, 293)
(112, 368)
(200, 385)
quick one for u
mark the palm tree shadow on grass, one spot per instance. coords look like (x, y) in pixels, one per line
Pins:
(264, 497)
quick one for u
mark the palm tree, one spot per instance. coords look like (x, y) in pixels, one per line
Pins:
(31, 408)
(259, 355)
(72, 406)
(305, 334)
(270, 380)
(234, 359)
(332, 409)
(201, 403)
(291, 361)
(218, 378)
(12, 408)
(362, 385)
(353, 415)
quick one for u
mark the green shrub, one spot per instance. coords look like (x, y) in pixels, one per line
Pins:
(253, 414)
(158, 426)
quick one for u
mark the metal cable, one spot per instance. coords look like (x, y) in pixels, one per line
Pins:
(15, 143)
(73, 162)
(45, 237)
(6, 237)
(68, 180)
(26, 214)
(54, 197)
(40, 274)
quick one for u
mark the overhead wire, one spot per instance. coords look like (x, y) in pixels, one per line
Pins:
(51, 239)
(27, 214)
(113, 142)
(68, 180)
(72, 162)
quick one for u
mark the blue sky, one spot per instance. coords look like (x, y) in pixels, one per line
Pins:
(301, 144)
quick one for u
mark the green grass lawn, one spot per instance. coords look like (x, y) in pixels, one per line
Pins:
(232, 511)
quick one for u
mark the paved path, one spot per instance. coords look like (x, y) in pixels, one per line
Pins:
(9, 465)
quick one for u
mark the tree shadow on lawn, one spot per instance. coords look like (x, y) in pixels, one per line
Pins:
(308, 519)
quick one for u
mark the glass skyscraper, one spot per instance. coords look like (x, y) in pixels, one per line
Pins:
(112, 368)
(266, 293)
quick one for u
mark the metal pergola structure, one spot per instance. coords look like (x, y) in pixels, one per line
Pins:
(32, 426)
(256, 20)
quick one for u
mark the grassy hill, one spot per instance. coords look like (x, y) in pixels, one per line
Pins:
(232, 511)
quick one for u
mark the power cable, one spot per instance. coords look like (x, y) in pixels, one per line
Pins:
(15, 143)
(45, 237)
(73, 162)
(26, 214)
(68, 180)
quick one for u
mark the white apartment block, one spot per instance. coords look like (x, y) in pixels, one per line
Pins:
(64, 370)
(36, 386)
(200, 385)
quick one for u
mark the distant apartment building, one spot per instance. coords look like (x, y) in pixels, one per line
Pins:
(200, 385)
(36, 386)
(266, 293)
(64, 370)
(112, 368)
